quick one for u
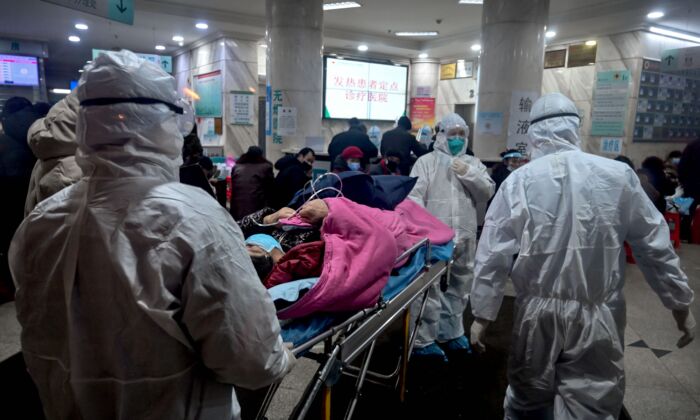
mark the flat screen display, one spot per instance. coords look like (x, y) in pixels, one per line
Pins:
(368, 91)
(18, 70)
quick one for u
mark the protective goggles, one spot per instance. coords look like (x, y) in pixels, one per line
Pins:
(561, 114)
(183, 109)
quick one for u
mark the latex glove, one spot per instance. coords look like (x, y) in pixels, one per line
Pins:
(477, 333)
(292, 361)
(459, 167)
(686, 324)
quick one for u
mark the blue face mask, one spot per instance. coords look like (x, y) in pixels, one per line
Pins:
(354, 166)
(266, 242)
(456, 144)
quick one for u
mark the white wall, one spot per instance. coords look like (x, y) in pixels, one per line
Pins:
(238, 62)
(453, 92)
(616, 52)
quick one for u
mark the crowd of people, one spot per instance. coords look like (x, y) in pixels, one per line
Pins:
(147, 296)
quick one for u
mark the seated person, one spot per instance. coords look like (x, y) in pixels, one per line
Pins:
(388, 165)
(349, 160)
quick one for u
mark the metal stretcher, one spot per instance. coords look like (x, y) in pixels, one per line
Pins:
(345, 342)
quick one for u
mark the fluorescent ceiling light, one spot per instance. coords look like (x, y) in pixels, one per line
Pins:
(476, 47)
(81, 70)
(423, 55)
(178, 38)
(81, 26)
(263, 45)
(60, 91)
(471, 1)
(655, 14)
(591, 43)
(201, 25)
(362, 47)
(550, 34)
(182, 44)
(423, 33)
(160, 47)
(674, 34)
(341, 5)
(74, 38)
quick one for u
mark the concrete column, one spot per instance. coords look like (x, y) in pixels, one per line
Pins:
(424, 74)
(512, 57)
(294, 70)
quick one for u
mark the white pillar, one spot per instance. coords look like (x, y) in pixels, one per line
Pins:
(425, 73)
(512, 57)
(294, 70)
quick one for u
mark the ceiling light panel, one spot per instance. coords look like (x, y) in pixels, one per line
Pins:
(416, 33)
(471, 1)
(341, 5)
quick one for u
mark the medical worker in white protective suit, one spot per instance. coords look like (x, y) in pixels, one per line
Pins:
(135, 294)
(566, 216)
(450, 184)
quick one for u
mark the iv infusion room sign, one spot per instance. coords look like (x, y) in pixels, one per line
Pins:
(117, 10)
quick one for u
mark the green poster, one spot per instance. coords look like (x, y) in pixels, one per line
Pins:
(208, 88)
(610, 103)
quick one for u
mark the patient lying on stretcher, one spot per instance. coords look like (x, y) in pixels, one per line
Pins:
(352, 260)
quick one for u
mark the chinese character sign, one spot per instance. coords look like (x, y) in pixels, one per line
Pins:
(242, 108)
(364, 90)
(610, 103)
(276, 105)
(519, 120)
(422, 112)
(208, 87)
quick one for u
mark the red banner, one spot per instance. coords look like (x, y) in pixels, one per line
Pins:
(422, 112)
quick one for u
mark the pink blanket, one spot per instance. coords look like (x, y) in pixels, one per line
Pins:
(362, 244)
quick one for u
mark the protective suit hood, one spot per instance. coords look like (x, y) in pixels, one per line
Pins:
(554, 123)
(121, 139)
(449, 122)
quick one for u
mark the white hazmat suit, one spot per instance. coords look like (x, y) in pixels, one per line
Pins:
(566, 216)
(452, 198)
(135, 293)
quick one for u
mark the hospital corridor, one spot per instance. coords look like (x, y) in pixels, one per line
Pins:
(324, 210)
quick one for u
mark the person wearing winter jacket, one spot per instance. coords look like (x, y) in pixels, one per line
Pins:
(252, 182)
(52, 140)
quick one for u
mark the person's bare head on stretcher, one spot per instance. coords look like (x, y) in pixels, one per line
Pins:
(265, 251)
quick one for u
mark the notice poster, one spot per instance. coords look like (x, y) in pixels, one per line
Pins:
(242, 108)
(519, 120)
(276, 105)
(422, 112)
(208, 87)
(287, 121)
(610, 103)
(611, 146)
(489, 123)
(206, 128)
(448, 71)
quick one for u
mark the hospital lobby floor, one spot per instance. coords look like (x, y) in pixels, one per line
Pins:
(663, 382)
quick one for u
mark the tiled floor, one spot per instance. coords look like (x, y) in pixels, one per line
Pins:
(665, 385)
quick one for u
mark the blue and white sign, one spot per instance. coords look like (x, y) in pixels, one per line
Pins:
(611, 146)
(116, 10)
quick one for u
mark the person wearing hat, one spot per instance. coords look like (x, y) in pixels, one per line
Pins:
(511, 160)
(350, 160)
(135, 293)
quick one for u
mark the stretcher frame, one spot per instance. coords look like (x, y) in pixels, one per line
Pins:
(345, 342)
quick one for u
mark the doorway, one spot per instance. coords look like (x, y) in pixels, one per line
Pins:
(466, 111)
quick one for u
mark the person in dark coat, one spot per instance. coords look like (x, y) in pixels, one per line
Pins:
(252, 182)
(294, 173)
(16, 164)
(355, 136)
(389, 164)
(654, 169)
(402, 141)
